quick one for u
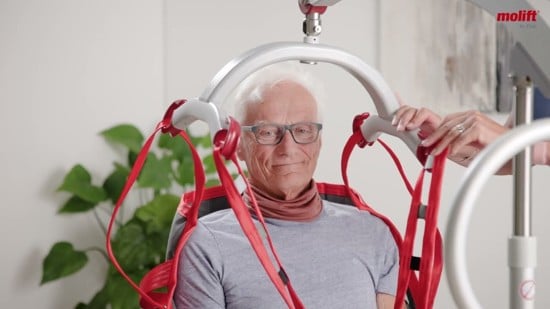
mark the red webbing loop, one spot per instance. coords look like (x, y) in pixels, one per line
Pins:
(247, 225)
(355, 139)
(424, 287)
(358, 139)
(432, 266)
(356, 127)
(164, 275)
(225, 141)
(431, 262)
(134, 173)
(405, 252)
(167, 119)
(398, 165)
(192, 217)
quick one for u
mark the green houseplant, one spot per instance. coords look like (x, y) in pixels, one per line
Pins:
(139, 242)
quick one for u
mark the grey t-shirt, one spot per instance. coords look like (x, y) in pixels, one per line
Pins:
(339, 260)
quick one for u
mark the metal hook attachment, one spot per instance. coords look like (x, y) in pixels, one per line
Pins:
(311, 25)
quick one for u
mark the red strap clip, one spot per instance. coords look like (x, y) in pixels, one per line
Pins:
(228, 139)
(422, 154)
(357, 122)
(167, 126)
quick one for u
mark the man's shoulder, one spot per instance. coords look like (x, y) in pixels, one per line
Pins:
(351, 212)
(219, 220)
(344, 209)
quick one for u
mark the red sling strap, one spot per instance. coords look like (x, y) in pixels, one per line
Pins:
(431, 262)
(279, 278)
(424, 287)
(165, 273)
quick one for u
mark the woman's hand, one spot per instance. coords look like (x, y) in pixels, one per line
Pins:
(410, 118)
(464, 133)
(458, 130)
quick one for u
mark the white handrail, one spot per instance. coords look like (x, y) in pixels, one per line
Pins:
(487, 162)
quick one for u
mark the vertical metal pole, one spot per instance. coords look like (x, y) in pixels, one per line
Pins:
(522, 161)
(522, 245)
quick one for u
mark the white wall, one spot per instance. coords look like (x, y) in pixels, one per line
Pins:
(70, 69)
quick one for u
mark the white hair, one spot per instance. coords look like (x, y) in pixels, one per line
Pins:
(253, 88)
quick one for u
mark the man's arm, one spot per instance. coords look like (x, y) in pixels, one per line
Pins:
(199, 282)
(386, 301)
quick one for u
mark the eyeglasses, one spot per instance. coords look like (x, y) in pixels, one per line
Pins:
(272, 134)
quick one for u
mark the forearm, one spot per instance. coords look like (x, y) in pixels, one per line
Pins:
(541, 153)
(385, 301)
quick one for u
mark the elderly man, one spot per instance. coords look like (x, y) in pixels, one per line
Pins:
(335, 255)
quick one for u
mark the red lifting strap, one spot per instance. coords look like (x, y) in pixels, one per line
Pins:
(423, 288)
(431, 263)
(164, 276)
(278, 277)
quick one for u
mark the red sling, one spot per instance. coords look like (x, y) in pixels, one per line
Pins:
(423, 289)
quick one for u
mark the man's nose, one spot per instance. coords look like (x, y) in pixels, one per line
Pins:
(287, 139)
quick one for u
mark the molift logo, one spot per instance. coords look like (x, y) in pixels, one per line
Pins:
(519, 16)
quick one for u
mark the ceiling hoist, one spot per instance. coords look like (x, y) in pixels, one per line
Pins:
(419, 276)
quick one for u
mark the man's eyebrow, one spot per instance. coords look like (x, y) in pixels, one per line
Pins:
(258, 122)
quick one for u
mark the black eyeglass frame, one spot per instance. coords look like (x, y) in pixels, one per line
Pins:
(283, 128)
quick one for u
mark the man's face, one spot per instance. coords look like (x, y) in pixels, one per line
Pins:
(283, 170)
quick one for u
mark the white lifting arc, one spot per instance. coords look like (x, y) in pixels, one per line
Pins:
(235, 71)
(481, 169)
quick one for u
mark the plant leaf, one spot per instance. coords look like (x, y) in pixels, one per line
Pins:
(209, 164)
(132, 157)
(75, 205)
(175, 145)
(184, 173)
(99, 301)
(62, 261)
(126, 135)
(212, 182)
(156, 173)
(158, 213)
(130, 247)
(79, 182)
(120, 293)
(115, 182)
(203, 140)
